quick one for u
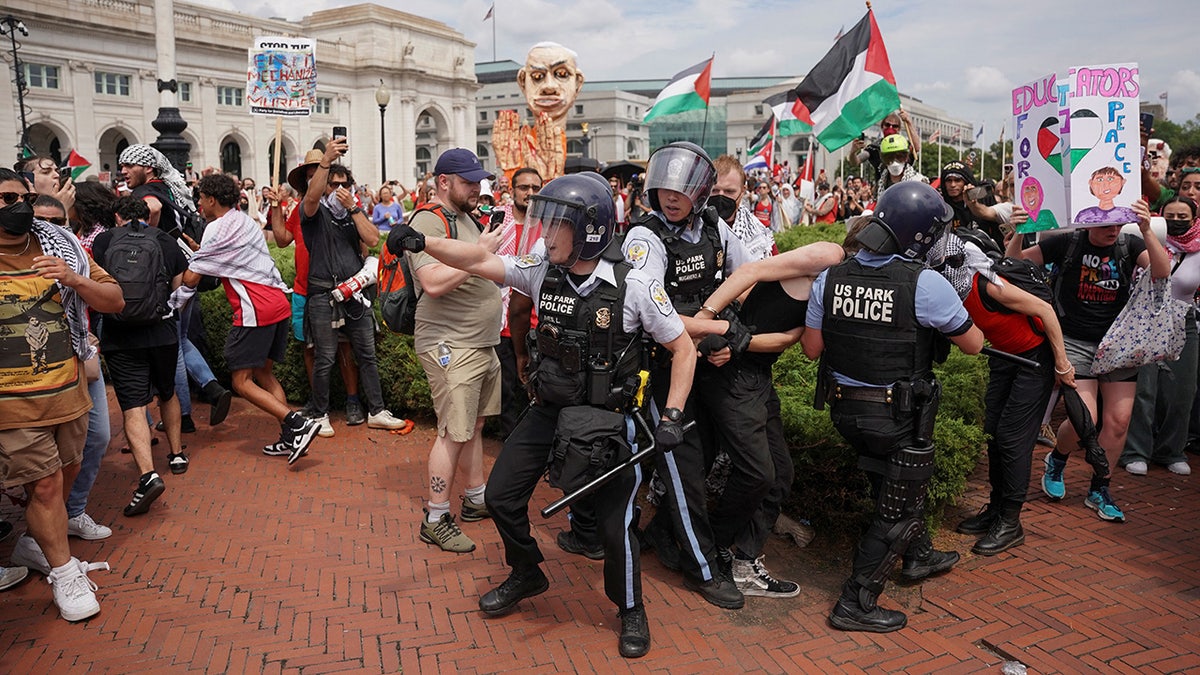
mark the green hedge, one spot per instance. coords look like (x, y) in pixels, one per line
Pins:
(829, 490)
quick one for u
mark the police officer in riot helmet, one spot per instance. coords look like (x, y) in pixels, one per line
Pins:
(593, 309)
(878, 322)
(685, 243)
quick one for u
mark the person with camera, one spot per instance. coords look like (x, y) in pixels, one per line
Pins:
(897, 164)
(593, 309)
(970, 201)
(861, 151)
(878, 321)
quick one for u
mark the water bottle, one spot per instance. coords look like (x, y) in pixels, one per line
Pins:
(443, 354)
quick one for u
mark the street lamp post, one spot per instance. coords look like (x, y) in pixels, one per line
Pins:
(11, 25)
(586, 139)
(382, 97)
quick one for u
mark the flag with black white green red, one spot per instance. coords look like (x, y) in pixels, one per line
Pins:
(787, 109)
(762, 155)
(765, 134)
(688, 90)
(77, 164)
(850, 89)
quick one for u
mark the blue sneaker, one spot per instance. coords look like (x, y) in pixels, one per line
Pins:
(1102, 503)
(1052, 480)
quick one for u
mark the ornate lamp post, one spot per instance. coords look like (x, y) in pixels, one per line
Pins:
(382, 98)
(11, 25)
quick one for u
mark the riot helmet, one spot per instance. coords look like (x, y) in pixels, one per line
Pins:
(909, 219)
(683, 167)
(575, 201)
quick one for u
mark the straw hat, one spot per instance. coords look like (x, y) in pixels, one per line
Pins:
(297, 177)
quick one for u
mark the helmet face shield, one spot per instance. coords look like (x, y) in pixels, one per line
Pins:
(555, 219)
(684, 170)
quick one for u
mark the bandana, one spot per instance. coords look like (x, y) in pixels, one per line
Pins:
(144, 155)
(1188, 242)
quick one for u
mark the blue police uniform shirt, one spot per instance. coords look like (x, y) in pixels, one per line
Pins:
(645, 251)
(937, 304)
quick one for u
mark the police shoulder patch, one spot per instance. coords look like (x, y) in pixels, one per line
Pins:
(528, 260)
(636, 252)
(661, 300)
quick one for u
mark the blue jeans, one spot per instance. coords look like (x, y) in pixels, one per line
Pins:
(359, 329)
(190, 362)
(98, 435)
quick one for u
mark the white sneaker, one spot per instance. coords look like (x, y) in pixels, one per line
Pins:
(752, 578)
(11, 576)
(1181, 468)
(27, 553)
(385, 420)
(324, 428)
(74, 592)
(1137, 468)
(84, 527)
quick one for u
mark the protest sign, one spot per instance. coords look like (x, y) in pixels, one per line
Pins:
(1104, 144)
(1039, 181)
(282, 76)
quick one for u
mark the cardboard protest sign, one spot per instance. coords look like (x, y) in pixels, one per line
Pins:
(1038, 144)
(282, 76)
(1104, 144)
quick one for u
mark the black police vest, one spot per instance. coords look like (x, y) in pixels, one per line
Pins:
(583, 349)
(693, 270)
(870, 326)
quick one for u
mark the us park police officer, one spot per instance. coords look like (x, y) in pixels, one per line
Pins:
(878, 321)
(685, 243)
(593, 310)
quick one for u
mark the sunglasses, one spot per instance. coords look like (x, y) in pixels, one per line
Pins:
(10, 198)
(341, 184)
(57, 220)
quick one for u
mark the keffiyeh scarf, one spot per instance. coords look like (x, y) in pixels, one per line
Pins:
(144, 155)
(57, 242)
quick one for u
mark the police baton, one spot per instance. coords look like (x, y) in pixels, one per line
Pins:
(597, 482)
(1019, 360)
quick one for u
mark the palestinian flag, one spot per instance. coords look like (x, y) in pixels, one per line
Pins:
(77, 164)
(787, 109)
(762, 156)
(850, 89)
(765, 134)
(688, 90)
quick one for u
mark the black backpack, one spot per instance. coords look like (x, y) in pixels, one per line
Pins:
(135, 259)
(1026, 276)
(1073, 257)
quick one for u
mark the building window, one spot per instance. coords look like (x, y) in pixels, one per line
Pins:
(578, 109)
(758, 110)
(323, 106)
(112, 84)
(231, 96)
(185, 92)
(482, 115)
(633, 127)
(40, 76)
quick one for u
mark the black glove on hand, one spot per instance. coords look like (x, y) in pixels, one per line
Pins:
(668, 435)
(404, 238)
(710, 344)
(738, 336)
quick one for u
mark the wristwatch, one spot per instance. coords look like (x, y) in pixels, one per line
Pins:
(357, 209)
(673, 414)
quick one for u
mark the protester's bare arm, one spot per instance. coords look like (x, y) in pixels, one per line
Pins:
(1019, 300)
(774, 343)
(1155, 256)
(806, 261)
(283, 236)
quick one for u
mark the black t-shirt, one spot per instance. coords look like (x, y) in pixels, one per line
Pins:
(168, 218)
(115, 335)
(1095, 286)
(333, 248)
(769, 309)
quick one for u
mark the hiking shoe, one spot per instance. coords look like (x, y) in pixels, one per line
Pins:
(354, 413)
(27, 553)
(300, 433)
(1180, 468)
(927, 564)
(1137, 468)
(218, 398)
(979, 523)
(385, 420)
(720, 590)
(324, 428)
(635, 633)
(519, 585)
(1052, 480)
(752, 578)
(84, 527)
(11, 576)
(472, 512)
(74, 592)
(1102, 503)
(569, 542)
(445, 535)
(149, 488)
(177, 462)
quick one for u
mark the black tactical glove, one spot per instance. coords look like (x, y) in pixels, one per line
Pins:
(710, 344)
(404, 238)
(738, 336)
(668, 435)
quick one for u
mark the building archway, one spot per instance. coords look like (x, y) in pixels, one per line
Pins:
(112, 143)
(287, 158)
(45, 139)
(231, 156)
(432, 136)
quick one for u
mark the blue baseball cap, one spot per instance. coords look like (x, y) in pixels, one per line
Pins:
(462, 163)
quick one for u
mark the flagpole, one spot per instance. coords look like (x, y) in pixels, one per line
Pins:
(982, 151)
(494, 3)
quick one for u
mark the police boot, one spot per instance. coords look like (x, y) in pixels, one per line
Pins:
(981, 522)
(659, 537)
(520, 584)
(1005, 533)
(921, 560)
(635, 633)
(856, 611)
(219, 399)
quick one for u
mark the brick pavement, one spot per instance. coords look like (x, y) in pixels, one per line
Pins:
(247, 566)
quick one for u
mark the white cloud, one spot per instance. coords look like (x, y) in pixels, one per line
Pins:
(986, 84)
(1183, 96)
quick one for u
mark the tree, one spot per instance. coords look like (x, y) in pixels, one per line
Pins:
(1178, 135)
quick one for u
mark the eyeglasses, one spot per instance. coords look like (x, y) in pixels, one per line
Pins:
(57, 220)
(10, 198)
(341, 184)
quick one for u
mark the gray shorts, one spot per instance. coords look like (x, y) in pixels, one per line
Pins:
(1082, 353)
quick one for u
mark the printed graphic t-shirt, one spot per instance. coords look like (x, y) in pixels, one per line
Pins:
(1095, 287)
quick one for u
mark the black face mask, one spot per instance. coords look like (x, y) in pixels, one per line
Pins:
(1177, 228)
(725, 206)
(17, 219)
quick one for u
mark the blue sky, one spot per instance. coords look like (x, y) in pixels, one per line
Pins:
(962, 57)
